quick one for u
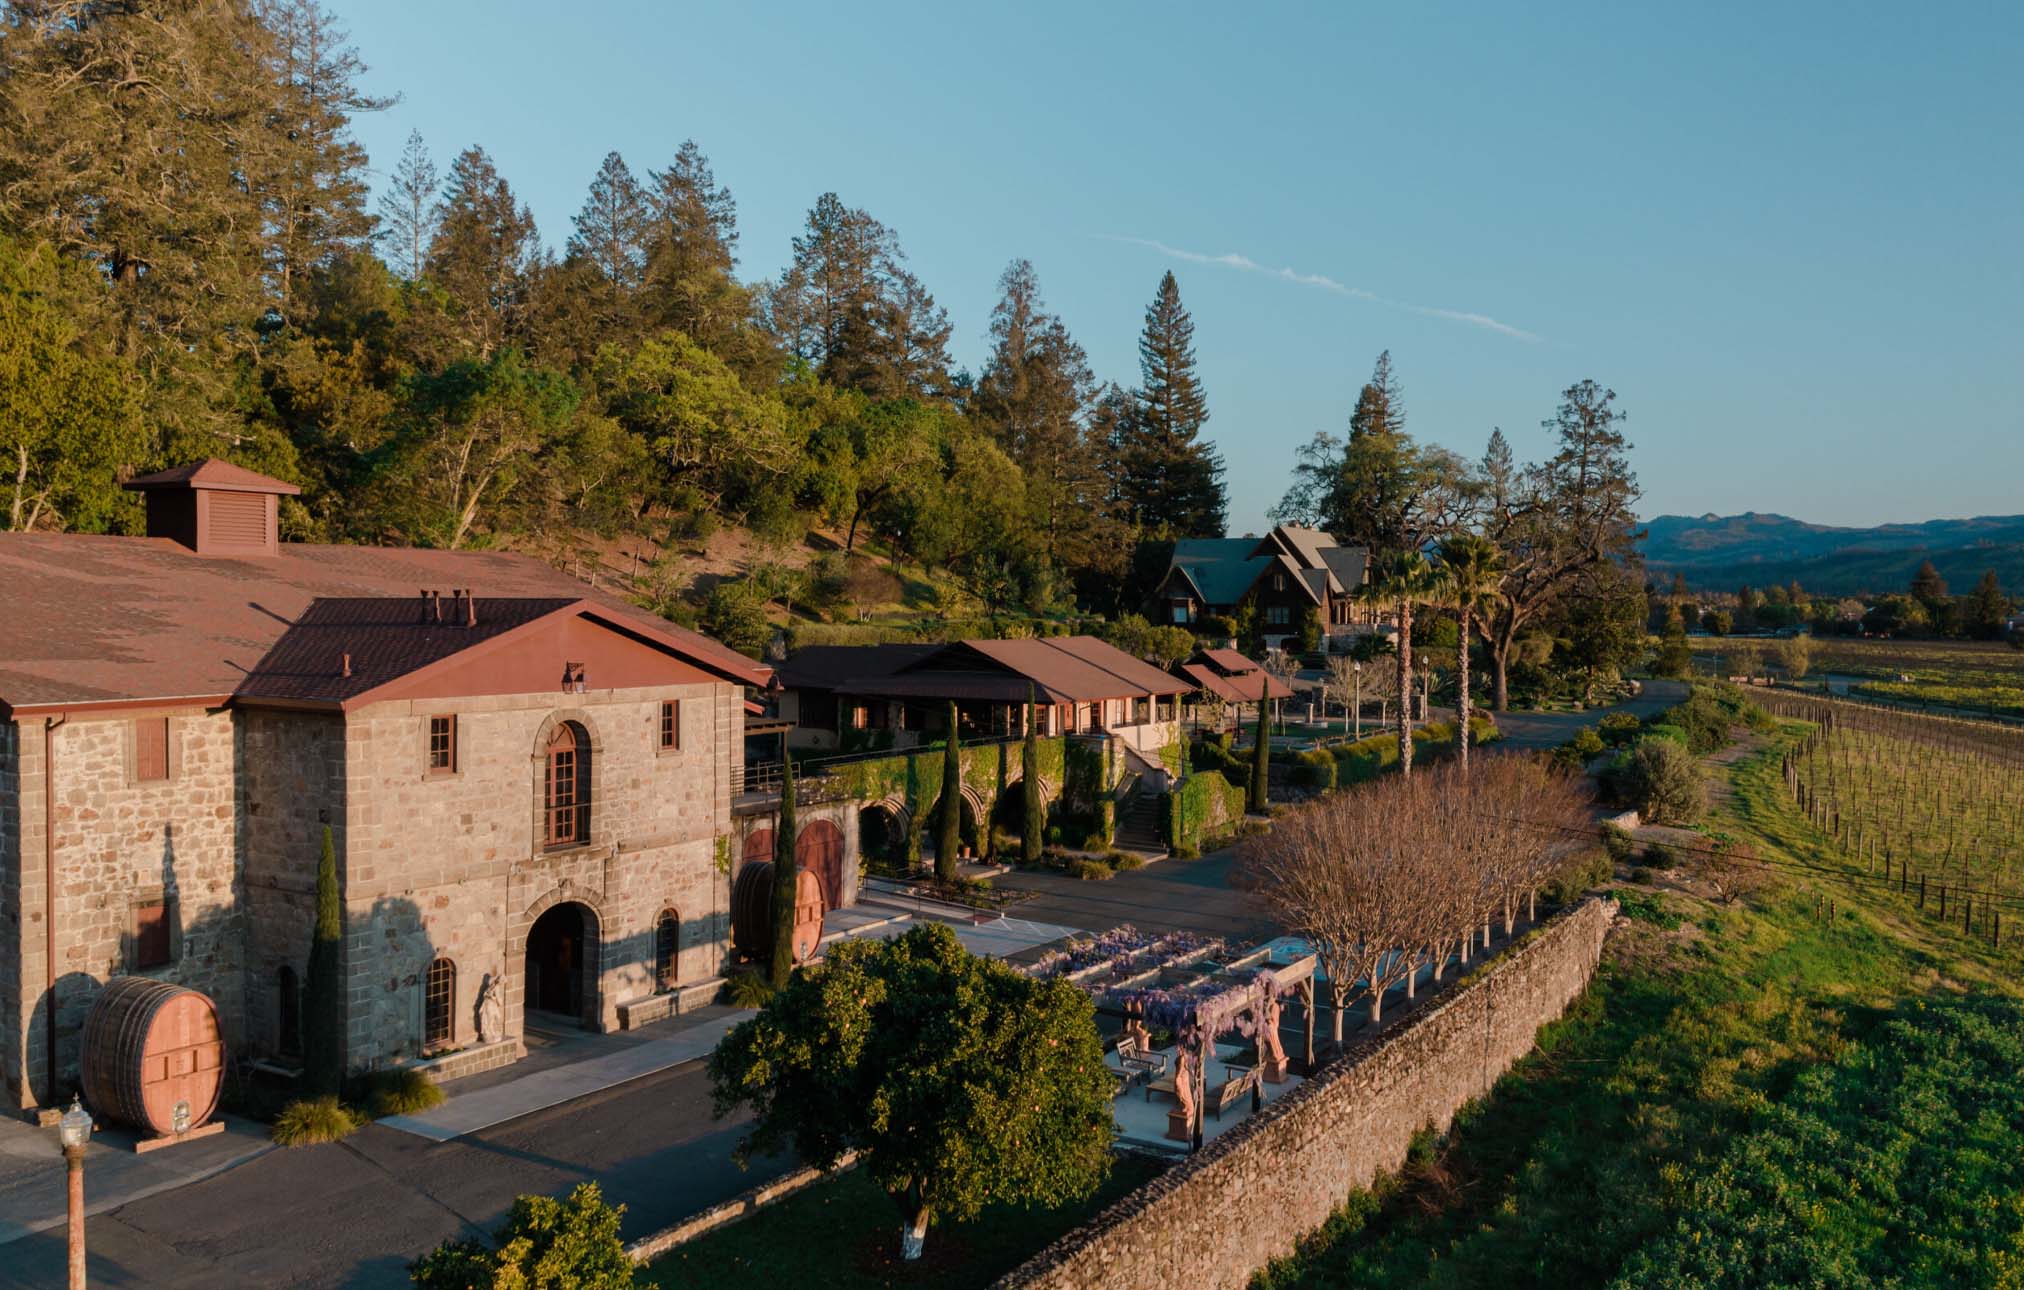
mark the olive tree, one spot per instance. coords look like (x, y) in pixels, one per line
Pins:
(959, 1082)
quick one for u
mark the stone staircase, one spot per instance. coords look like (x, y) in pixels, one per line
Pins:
(1138, 824)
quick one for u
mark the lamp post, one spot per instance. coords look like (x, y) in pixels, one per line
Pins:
(74, 1131)
(1357, 667)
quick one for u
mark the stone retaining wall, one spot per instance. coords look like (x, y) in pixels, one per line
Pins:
(1248, 1196)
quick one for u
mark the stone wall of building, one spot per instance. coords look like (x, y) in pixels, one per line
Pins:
(453, 865)
(121, 843)
(1248, 1196)
(291, 788)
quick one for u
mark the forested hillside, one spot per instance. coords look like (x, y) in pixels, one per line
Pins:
(190, 266)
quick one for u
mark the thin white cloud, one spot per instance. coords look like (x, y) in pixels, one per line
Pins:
(1245, 264)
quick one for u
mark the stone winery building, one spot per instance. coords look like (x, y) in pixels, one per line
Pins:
(528, 785)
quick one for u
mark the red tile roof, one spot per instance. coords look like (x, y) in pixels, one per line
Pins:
(107, 619)
(1236, 689)
(1060, 669)
(1229, 660)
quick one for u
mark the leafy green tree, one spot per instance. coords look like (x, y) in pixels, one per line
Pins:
(308, 171)
(1171, 479)
(960, 1082)
(849, 306)
(1259, 795)
(1557, 520)
(476, 434)
(323, 1037)
(481, 253)
(70, 415)
(1930, 589)
(702, 425)
(1034, 395)
(949, 819)
(735, 615)
(1674, 657)
(1033, 827)
(545, 1244)
(407, 209)
(786, 876)
(691, 258)
(1987, 608)
(1471, 567)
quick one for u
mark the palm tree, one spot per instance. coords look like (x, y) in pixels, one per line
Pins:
(1402, 580)
(1473, 569)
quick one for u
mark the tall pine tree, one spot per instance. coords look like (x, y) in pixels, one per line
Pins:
(407, 209)
(1171, 478)
(482, 251)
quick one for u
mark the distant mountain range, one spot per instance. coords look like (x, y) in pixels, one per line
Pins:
(1723, 552)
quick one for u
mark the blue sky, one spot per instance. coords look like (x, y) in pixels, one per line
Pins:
(1791, 237)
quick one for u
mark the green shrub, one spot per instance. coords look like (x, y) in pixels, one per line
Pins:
(1666, 730)
(1617, 728)
(1581, 874)
(1617, 843)
(1665, 782)
(1647, 907)
(312, 1120)
(1661, 855)
(1314, 768)
(1184, 851)
(402, 1092)
(1088, 870)
(1125, 861)
(749, 990)
(546, 1244)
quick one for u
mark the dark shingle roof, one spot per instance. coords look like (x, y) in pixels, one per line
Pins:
(1059, 669)
(385, 638)
(97, 619)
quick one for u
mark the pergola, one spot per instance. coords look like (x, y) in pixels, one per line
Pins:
(1178, 983)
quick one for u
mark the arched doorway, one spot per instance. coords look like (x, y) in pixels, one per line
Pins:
(561, 975)
(881, 837)
(818, 848)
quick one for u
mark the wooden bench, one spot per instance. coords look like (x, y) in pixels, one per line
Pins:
(1133, 1058)
(1241, 1080)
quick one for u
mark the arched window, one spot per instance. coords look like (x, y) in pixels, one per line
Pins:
(566, 787)
(439, 1004)
(667, 945)
(288, 1013)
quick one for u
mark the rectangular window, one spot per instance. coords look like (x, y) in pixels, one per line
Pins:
(671, 726)
(151, 749)
(151, 935)
(442, 745)
(1276, 615)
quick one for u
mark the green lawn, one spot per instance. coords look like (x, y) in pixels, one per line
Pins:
(844, 1233)
(1742, 1094)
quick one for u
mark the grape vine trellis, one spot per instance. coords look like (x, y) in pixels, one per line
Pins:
(1934, 807)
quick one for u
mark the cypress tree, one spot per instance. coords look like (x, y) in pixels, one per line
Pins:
(949, 827)
(1032, 832)
(1261, 752)
(323, 1045)
(784, 880)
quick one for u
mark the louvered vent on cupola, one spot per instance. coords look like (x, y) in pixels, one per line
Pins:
(215, 508)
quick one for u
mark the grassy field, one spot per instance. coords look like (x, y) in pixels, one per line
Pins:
(1976, 676)
(844, 1233)
(1749, 1094)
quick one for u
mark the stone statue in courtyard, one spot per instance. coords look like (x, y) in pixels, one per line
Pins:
(488, 1009)
(1271, 1055)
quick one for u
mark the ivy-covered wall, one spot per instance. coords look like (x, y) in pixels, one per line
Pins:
(1199, 804)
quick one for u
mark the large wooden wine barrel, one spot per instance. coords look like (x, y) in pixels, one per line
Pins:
(154, 1057)
(752, 911)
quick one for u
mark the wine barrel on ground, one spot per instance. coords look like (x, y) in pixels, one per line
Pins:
(752, 911)
(154, 1056)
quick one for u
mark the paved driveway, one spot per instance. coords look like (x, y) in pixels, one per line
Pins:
(1170, 896)
(352, 1214)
